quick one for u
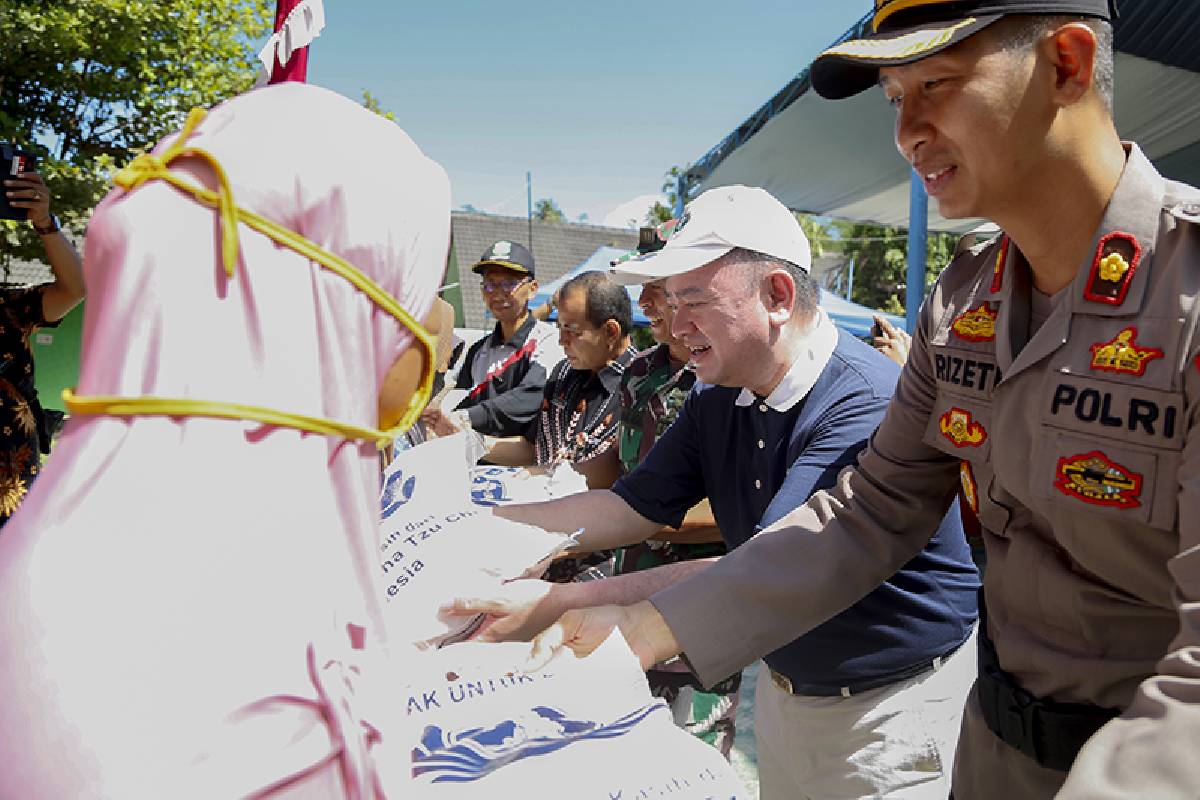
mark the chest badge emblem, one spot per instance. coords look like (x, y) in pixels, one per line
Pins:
(962, 431)
(976, 325)
(1095, 478)
(1123, 354)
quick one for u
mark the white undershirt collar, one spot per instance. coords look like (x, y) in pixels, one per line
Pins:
(815, 352)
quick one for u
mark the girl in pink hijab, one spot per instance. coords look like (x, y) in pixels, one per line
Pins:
(186, 600)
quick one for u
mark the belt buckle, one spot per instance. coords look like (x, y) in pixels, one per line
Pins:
(782, 681)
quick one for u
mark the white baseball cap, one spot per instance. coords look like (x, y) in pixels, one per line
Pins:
(716, 222)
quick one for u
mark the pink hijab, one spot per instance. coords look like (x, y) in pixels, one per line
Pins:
(182, 600)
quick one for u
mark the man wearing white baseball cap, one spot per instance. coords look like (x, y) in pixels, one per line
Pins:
(729, 217)
(869, 703)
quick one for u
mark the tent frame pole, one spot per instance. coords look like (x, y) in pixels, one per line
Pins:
(918, 235)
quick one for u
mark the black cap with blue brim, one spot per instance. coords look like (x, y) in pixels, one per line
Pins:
(903, 31)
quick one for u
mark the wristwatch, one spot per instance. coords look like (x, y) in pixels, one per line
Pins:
(49, 229)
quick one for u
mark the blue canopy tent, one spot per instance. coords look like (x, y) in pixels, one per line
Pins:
(851, 317)
(598, 261)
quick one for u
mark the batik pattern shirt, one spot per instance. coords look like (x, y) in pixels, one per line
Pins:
(580, 412)
(20, 413)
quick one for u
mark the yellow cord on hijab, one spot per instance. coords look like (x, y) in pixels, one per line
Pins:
(148, 167)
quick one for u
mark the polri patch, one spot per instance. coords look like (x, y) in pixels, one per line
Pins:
(961, 429)
(1095, 478)
(977, 324)
(1123, 354)
(1113, 268)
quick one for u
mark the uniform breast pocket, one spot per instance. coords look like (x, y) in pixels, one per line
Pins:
(1106, 476)
(1110, 446)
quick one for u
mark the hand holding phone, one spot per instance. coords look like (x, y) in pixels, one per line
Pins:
(15, 162)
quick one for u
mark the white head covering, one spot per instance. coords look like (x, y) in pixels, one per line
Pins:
(180, 591)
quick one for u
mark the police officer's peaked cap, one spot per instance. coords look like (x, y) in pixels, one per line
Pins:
(509, 255)
(903, 31)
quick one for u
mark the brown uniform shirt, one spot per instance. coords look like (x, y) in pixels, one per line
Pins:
(1083, 461)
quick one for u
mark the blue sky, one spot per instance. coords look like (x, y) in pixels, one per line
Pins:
(597, 100)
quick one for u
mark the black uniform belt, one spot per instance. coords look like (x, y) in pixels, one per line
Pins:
(786, 684)
(1049, 732)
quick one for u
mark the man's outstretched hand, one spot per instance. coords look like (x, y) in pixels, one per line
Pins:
(583, 630)
(516, 611)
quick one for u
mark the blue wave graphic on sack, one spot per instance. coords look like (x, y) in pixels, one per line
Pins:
(478, 752)
(396, 492)
(487, 489)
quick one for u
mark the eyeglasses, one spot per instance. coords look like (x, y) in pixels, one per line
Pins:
(507, 286)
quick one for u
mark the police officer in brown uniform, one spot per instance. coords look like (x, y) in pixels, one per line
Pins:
(1054, 374)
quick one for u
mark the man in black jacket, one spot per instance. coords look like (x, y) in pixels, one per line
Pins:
(504, 373)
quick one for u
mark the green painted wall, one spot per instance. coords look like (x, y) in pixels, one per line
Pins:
(56, 358)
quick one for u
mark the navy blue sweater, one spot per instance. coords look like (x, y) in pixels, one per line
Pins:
(712, 450)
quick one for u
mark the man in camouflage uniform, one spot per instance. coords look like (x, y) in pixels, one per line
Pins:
(653, 389)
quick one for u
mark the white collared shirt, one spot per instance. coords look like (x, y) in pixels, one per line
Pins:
(815, 352)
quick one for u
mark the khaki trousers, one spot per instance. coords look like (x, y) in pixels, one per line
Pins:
(897, 741)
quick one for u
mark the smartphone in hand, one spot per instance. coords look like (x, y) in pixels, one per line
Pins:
(14, 161)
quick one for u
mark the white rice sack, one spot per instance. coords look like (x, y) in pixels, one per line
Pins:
(579, 728)
(436, 544)
(493, 486)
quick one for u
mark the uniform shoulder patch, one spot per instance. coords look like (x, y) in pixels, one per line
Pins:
(961, 429)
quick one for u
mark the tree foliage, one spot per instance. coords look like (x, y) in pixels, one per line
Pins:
(371, 103)
(87, 84)
(880, 256)
(660, 212)
(548, 211)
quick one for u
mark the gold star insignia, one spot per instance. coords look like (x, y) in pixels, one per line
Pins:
(1113, 267)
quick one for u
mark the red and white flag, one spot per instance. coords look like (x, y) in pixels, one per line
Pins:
(285, 55)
